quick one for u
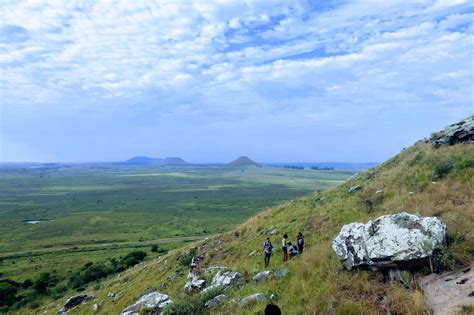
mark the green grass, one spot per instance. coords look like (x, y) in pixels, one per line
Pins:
(317, 283)
(90, 213)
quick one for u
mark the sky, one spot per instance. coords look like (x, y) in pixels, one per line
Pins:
(279, 81)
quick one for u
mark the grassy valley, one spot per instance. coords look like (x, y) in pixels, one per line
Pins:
(97, 212)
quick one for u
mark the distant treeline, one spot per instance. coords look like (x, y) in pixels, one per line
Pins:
(294, 167)
(323, 168)
(316, 168)
(15, 294)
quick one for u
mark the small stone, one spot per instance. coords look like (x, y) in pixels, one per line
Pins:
(379, 191)
(355, 188)
(215, 301)
(262, 275)
(95, 307)
(252, 253)
(281, 273)
(273, 232)
(257, 297)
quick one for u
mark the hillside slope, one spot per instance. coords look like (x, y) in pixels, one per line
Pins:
(421, 180)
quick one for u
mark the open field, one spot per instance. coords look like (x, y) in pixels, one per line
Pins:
(94, 212)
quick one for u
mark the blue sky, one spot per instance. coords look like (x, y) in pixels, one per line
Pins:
(342, 81)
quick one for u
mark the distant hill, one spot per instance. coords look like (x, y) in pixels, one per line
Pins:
(140, 160)
(174, 161)
(242, 161)
(144, 160)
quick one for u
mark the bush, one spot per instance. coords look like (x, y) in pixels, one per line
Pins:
(44, 281)
(27, 283)
(8, 290)
(154, 248)
(194, 304)
(185, 259)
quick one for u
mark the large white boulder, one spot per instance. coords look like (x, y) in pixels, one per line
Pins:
(224, 279)
(153, 301)
(390, 240)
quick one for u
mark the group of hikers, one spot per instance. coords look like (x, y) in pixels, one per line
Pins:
(288, 248)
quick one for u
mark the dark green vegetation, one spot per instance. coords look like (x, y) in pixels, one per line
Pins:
(93, 216)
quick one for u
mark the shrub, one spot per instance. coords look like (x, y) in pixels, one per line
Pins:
(193, 304)
(154, 248)
(44, 281)
(8, 290)
(185, 259)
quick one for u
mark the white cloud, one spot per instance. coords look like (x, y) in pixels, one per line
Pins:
(238, 61)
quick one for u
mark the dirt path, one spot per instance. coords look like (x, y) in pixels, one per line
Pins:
(91, 247)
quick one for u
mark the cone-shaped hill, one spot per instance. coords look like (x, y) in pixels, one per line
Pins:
(242, 161)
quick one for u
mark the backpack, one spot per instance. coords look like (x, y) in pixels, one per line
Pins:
(268, 247)
(301, 241)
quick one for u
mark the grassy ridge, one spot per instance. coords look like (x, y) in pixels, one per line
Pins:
(441, 184)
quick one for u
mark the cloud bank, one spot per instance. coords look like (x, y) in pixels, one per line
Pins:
(209, 80)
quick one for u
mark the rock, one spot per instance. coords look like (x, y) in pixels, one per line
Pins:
(154, 301)
(461, 132)
(164, 285)
(73, 301)
(174, 275)
(411, 193)
(353, 176)
(224, 280)
(262, 275)
(281, 273)
(216, 301)
(274, 231)
(257, 297)
(95, 307)
(194, 284)
(379, 191)
(252, 253)
(273, 297)
(389, 241)
(446, 293)
(111, 294)
(355, 188)
(213, 269)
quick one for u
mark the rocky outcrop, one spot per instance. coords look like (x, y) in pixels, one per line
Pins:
(151, 301)
(254, 298)
(448, 292)
(215, 301)
(213, 269)
(194, 284)
(355, 188)
(224, 280)
(262, 275)
(389, 241)
(461, 132)
(74, 301)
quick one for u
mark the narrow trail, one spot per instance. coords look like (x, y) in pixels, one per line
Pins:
(92, 247)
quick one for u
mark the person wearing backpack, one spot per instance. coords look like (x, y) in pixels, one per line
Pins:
(300, 243)
(284, 247)
(267, 251)
(293, 250)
